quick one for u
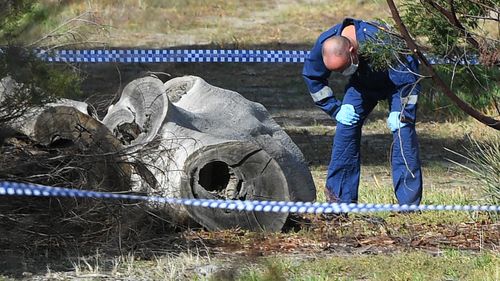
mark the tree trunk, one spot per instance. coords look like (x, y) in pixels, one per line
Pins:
(65, 126)
(209, 143)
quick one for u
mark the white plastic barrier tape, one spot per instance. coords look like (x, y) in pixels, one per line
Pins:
(24, 189)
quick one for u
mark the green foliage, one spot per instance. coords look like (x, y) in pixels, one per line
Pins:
(425, 22)
(12, 15)
(385, 48)
(32, 81)
(454, 30)
(477, 85)
(36, 82)
(37, 76)
(38, 24)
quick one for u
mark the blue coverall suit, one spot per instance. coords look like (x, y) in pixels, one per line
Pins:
(364, 89)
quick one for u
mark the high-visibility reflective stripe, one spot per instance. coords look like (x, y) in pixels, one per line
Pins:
(324, 93)
(411, 99)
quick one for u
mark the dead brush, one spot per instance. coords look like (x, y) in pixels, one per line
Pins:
(58, 228)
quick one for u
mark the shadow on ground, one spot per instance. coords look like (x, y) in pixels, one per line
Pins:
(376, 148)
(51, 233)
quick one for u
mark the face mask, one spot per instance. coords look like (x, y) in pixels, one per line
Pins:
(351, 69)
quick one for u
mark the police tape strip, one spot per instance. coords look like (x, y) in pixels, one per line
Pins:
(25, 189)
(190, 56)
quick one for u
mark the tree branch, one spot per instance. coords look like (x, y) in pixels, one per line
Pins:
(491, 6)
(485, 18)
(487, 120)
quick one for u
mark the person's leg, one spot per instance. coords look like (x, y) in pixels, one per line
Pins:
(406, 170)
(344, 170)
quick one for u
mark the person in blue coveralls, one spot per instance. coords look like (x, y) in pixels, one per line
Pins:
(337, 50)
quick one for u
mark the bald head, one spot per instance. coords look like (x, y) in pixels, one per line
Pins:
(336, 53)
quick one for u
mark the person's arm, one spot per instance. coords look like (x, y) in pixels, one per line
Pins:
(316, 75)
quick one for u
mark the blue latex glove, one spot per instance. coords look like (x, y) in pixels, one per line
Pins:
(347, 115)
(394, 122)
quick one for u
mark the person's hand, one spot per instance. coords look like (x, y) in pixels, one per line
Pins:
(394, 122)
(347, 115)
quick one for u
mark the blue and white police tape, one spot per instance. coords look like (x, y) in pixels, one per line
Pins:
(25, 189)
(188, 56)
(172, 55)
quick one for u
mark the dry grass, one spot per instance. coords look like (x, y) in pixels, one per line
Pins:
(225, 23)
(155, 23)
(166, 267)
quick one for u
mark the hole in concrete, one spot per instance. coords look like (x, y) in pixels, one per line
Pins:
(219, 179)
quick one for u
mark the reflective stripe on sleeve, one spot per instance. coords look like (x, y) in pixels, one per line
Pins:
(324, 93)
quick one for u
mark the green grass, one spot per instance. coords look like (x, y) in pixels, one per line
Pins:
(381, 191)
(451, 265)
